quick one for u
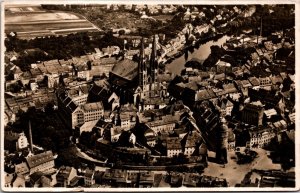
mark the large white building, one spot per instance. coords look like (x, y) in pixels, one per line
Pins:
(260, 137)
(76, 111)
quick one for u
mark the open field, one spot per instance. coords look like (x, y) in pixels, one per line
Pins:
(40, 26)
(35, 22)
(40, 16)
(23, 8)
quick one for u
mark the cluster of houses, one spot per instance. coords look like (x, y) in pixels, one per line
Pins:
(150, 9)
(35, 170)
(36, 86)
(47, 74)
(259, 100)
(69, 177)
(268, 178)
(254, 101)
(170, 129)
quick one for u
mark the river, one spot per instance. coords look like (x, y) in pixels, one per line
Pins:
(177, 65)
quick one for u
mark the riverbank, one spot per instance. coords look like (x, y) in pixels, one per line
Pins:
(192, 46)
(201, 50)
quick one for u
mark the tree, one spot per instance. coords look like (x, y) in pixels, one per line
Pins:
(85, 138)
(121, 32)
(181, 159)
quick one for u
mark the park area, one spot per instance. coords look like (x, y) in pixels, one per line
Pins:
(33, 21)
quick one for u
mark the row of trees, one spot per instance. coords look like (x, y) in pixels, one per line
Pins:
(269, 18)
(61, 47)
(48, 131)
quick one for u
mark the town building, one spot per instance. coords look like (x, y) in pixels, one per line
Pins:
(253, 113)
(225, 106)
(65, 175)
(15, 141)
(101, 91)
(243, 86)
(43, 162)
(174, 147)
(231, 140)
(75, 109)
(39, 179)
(136, 82)
(89, 177)
(164, 124)
(260, 137)
(21, 168)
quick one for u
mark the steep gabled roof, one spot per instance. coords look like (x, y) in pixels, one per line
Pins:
(39, 159)
(126, 69)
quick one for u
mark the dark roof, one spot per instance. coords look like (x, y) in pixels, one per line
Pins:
(11, 136)
(36, 176)
(243, 83)
(89, 173)
(254, 81)
(231, 137)
(221, 76)
(65, 171)
(110, 60)
(291, 135)
(193, 139)
(192, 85)
(173, 143)
(126, 69)
(191, 179)
(164, 77)
(67, 101)
(75, 180)
(39, 159)
(227, 88)
(276, 79)
(92, 106)
(202, 95)
(72, 106)
(223, 103)
(211, 93)
(147, 176)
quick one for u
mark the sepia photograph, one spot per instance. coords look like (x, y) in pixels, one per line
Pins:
(148, 96)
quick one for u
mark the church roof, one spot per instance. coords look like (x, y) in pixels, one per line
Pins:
(126, 69)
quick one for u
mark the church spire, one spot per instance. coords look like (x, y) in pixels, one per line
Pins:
(153, 61)
(141, 65)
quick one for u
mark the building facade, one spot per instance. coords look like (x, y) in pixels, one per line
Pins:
(137, 82)
(253, 114)
(42, 162)
(76, 111)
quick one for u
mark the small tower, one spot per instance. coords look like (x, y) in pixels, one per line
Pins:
(30, 137)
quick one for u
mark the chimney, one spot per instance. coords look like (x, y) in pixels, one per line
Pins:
(30, 137)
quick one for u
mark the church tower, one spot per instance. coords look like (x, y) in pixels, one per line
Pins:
(142, 66)
(153, 62)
